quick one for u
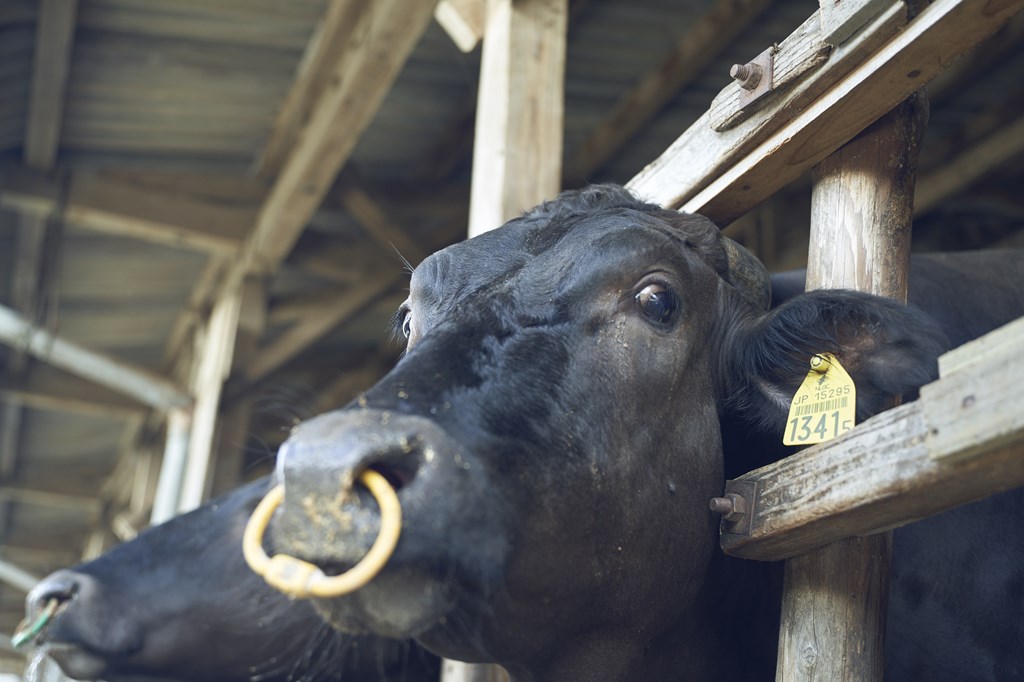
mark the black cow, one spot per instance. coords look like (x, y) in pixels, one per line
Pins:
(576, 386)
(179, 604)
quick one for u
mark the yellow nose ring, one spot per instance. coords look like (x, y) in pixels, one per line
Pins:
(301, 579)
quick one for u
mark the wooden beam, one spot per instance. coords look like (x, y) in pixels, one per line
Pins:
(167, 216)
(10, 437)
(936, 37)
(883, 474)
(317, 323)
(360, 205)
(359, 79)
(67, 393)
(325, 48)
(214, 365)
(463, 21)
(970, 165)
(688, 174)
(47, 498)
(706, 38)
(55, 29)
(517, 154)
(26, 280)
(701, 153)
(146, 386)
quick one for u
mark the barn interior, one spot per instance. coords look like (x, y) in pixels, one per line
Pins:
(155, 152)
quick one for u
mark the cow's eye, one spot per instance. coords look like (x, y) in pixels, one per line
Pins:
(657, 303)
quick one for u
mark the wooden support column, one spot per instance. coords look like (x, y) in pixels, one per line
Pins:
(517, 154)
(834, 601)
(214, 356)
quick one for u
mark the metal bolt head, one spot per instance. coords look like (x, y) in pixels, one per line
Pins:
(747, 75)
(730, 507)
(720, 505)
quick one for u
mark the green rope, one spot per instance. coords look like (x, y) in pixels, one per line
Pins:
(27, 632)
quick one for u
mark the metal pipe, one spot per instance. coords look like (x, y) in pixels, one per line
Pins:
(17, 577)
(148, 387)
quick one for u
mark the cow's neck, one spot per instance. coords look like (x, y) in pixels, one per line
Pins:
(736, 611)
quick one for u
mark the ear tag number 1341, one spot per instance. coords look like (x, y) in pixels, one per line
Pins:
(824, 406)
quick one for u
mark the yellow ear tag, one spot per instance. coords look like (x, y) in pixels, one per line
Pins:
(825, 405)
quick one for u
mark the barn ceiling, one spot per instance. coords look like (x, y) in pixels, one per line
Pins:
(147, 150)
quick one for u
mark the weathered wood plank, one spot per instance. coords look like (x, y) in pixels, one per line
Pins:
(55, 29)
(463, 21)
(725, 177)
(977, 424)
(880, 475)
(517, 153)
(840, 19)
(791, 60)
(701, 153)
(934, 39)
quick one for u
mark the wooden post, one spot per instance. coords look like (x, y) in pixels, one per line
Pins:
(834, 601)
(214, 365)
(517, 153)
(172, 468)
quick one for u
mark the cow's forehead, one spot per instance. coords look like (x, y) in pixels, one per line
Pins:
(559, 244)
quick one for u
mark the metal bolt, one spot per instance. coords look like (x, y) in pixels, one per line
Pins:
(747, 75)
(730, 507)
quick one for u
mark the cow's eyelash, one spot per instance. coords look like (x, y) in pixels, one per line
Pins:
(397, 320)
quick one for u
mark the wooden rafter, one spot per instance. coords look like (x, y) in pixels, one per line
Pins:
(969, 165)
(694, 51)
(55, 30)
(463, 21)
(329, 41)
(116, 205)
(44, 389)
(361, 76)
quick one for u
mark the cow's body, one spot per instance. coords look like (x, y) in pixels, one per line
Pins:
(178, 604)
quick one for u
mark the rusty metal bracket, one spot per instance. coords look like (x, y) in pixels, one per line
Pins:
(736, 506)
(756, 77)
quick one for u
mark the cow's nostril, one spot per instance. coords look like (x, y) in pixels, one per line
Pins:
(397, 475)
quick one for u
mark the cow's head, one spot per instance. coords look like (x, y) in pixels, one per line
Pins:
(177, 604)
(554, 432)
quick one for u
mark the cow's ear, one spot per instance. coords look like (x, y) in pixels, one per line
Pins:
(887, 348)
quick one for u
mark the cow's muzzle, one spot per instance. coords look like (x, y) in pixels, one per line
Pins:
(345, 481)
(300, 579)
